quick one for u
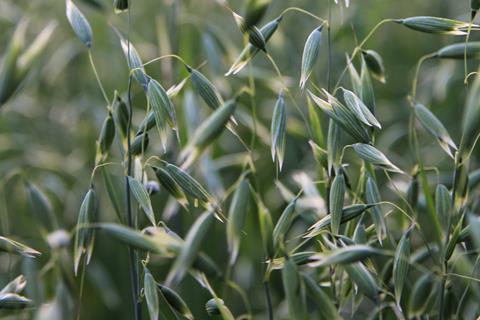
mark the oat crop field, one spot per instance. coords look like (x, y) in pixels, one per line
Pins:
(256, 159)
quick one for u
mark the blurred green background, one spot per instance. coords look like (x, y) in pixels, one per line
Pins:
(48, 128)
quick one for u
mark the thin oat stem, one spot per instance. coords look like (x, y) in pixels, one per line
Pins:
(330, 55)
(465, 65)
(164, 57)
(469, 75)
(323, 21)
(450, 274)
(92, 176)
(289, 93)
(358, 49)
(417, 73)
(266, 286)
(97, 77)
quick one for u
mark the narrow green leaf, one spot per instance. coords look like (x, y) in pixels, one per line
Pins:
(422, 292)
(324, 304)
(164, 245)
(292, 287)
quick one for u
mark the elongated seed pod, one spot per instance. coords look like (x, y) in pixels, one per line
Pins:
(190, 249)
(458, 51)
(120, 6)
(107, 134)
(139, 144)
(363, 279)
(278, 131)
(151, 294)
(266, 228)
(85, 236)
(79, 23)
(236, 218)
(255, 10)
(284, 223)
(443, 204)
(374, 63)
(474, 6)
(372, 195)
(436, 25)
(337, 198)
(205, 88)
(310, 54)
(8, 68)
(175, 301)
(401, 264)
(171, 186)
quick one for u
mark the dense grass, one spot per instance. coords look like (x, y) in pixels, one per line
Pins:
(239, 160)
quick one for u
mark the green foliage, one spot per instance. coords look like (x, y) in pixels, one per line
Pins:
(136, 148)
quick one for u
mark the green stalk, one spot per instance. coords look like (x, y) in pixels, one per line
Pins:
(132, 253)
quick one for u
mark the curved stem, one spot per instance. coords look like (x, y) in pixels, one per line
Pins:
(289, 93)
(99, 166)
(417, 72)
(323, 21)
(359, 48)
(164, 57)
(465, 50)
